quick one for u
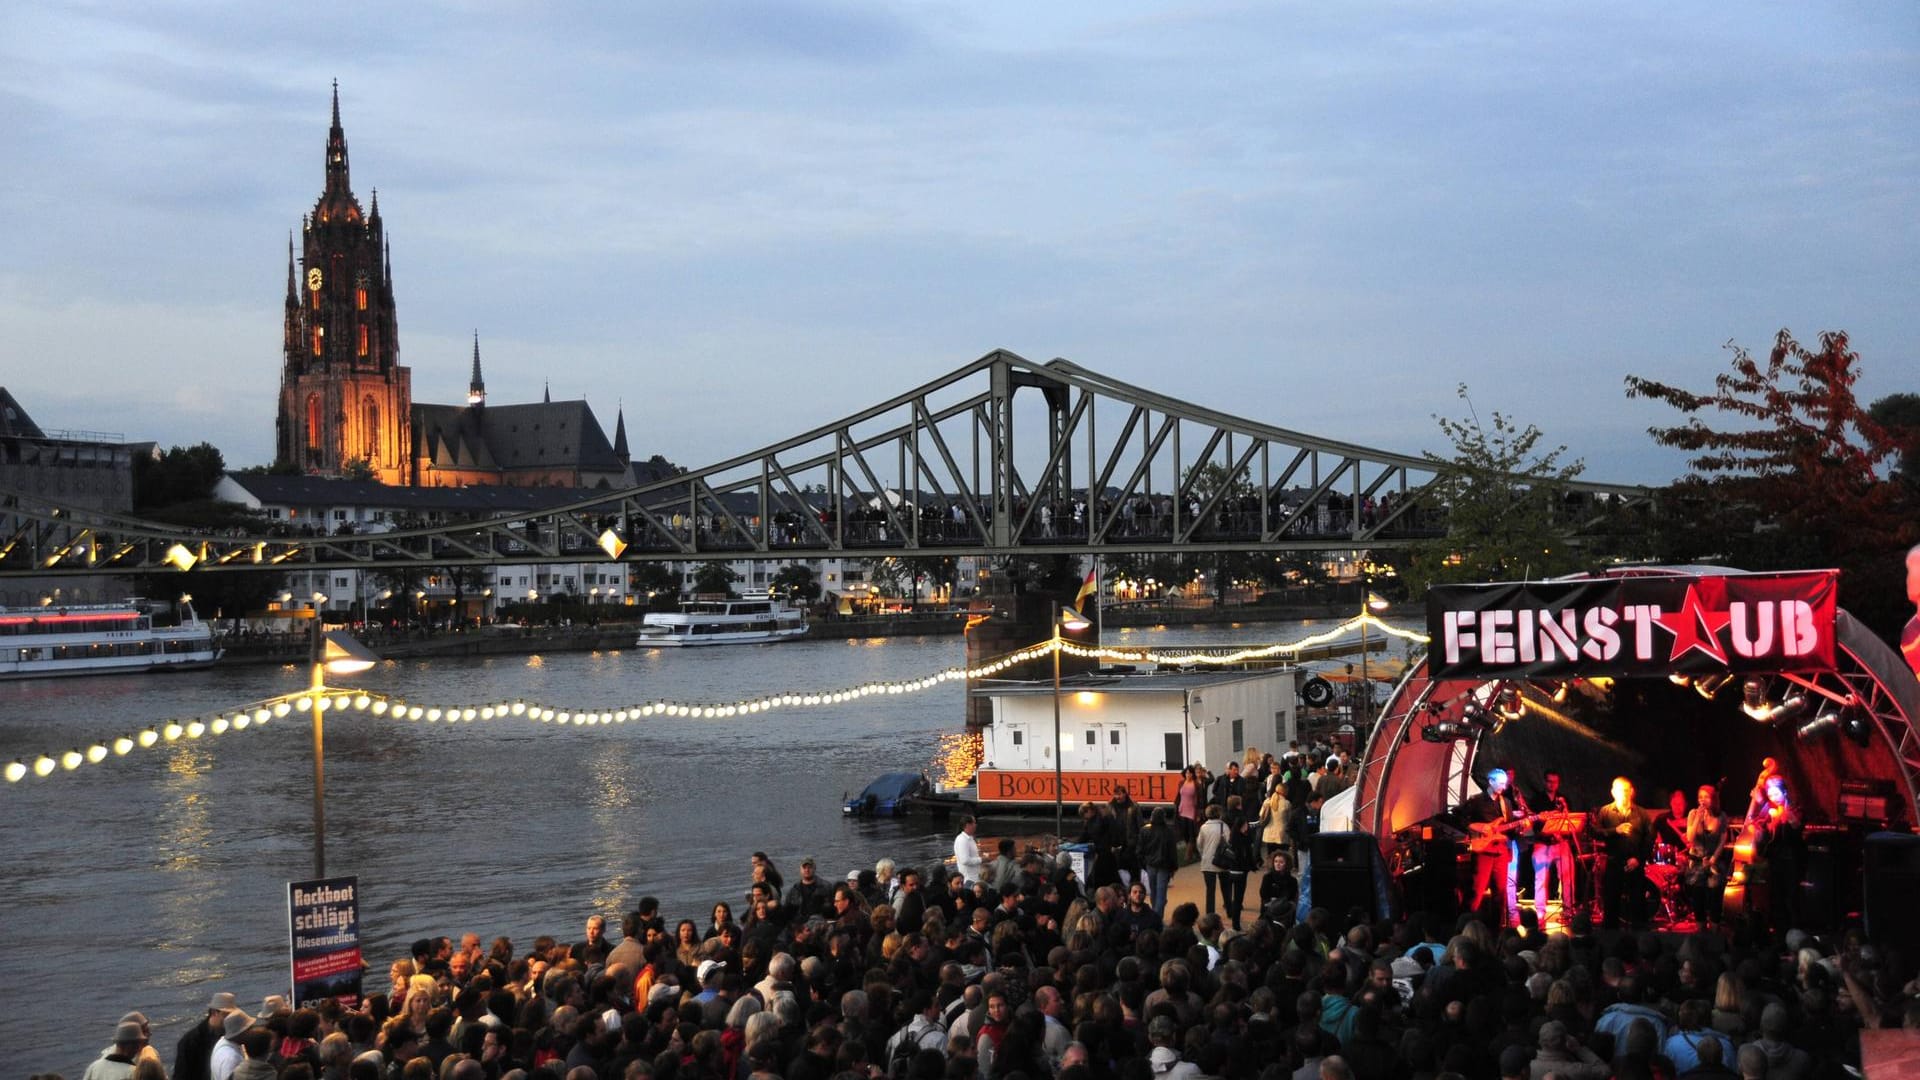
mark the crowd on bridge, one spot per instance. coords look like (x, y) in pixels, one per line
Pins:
(1009, 966)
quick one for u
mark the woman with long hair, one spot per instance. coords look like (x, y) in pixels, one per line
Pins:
(1186, 804)
(1213, 837)
(1273, 821)
(686, 943)
(722, 916)
(1159, 857)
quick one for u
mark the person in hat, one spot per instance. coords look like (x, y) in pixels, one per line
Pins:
(227, 1053)
(191, 1056)
(129, 1038)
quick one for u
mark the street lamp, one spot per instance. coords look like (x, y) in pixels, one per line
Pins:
(336, 652)
(1068, 619)
(1371, 603)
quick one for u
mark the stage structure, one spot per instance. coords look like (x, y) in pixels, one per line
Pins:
(1692, 674)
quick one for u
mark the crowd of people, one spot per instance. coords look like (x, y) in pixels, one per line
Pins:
(1011, 966)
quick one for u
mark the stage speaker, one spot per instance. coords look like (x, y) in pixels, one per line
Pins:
(1347, 874)
(1892, 880)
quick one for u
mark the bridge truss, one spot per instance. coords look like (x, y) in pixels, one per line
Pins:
(1001, 456)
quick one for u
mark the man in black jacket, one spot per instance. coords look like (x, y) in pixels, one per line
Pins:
(191, 1058)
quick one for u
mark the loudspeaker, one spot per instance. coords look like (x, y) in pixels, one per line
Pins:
(1892, 880)
(1345, 874)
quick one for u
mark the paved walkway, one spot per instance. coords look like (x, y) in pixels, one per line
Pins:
(1187, 886)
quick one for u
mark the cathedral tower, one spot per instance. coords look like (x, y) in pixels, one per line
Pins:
(345, 399)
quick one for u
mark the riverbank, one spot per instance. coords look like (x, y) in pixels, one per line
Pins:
(513, 640)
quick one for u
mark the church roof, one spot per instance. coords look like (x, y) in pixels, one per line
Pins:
(14, 421)
(539, 435)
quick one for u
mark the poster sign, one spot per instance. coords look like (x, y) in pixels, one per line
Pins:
(1036, 786)
(323, 940)
(1653, 625)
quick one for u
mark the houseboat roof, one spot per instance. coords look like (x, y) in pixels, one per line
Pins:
(1108, 681)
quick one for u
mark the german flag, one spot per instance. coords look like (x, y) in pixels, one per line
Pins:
(1087, 588)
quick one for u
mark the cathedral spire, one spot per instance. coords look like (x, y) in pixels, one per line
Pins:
(620, 435)
(476, 387)
(337, 181)
(546, 391)
(293, 287)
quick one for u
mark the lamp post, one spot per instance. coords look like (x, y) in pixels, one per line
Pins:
(338, 653)
(1370, 603)
(1062, 618)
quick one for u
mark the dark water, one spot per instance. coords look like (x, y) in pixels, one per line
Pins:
(152, 880)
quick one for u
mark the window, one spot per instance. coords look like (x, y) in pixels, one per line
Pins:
(1280, 729)
(319, 339)
(1114, 736)
(1019, 737)
(363, 340)
(313, 413)
(1239, 735)
(360, 298)
(1093, 737)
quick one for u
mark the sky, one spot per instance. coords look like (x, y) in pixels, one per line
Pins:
(739, 221)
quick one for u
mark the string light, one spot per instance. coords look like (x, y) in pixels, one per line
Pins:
(259, 713)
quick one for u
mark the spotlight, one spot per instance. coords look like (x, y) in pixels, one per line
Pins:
(1848, 721)
(1710, 686)
(1443, 731)
(1753, 698)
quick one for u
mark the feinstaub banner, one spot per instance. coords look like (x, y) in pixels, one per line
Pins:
(1634, 626)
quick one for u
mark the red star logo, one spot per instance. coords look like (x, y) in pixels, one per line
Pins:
(1694, 626)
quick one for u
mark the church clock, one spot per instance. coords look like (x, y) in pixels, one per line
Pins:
(313, 279)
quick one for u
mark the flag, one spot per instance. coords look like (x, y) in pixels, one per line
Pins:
(1087, 588)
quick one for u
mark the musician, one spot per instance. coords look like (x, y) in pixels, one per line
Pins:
(1627, 833)
(1551, 853)
(1774, 825)
(1708, 855)
(1491, 817)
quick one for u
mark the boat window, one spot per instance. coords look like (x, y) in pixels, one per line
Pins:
(1019, 737)
(1092, 738)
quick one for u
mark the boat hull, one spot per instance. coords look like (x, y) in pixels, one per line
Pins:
(744, 637)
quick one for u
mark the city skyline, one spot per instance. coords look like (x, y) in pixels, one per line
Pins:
(740, 221)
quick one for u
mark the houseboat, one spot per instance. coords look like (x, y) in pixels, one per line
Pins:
(102, 639)
(745, 621)
(1127, 729)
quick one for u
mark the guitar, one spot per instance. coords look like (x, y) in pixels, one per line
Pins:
(1490, 837)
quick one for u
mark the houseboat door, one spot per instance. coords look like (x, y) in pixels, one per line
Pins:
(1113, 748)
(1174, 752)
(1019, 747)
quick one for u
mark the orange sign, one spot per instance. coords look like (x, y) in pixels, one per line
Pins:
(1034, 785)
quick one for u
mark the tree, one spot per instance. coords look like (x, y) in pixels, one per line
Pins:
(1796, 480)
(1502, 495)
(715, 577)
(356, 469)
(654, 579)
(1899, 416)
(797, 582)
(183, 474)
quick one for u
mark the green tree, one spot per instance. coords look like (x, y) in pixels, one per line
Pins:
(1502, 493)
(356, 469)
(1899, 416)
(715, 578)
(658, 581)
(796, 582)
(183, 474)
(1796, 478)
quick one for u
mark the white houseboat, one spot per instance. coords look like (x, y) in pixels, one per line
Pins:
(102, 640)
(1136, 730)
(752, 620)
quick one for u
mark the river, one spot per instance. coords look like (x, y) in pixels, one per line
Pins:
(151, 880)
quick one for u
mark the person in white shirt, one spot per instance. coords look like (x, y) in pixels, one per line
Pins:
(227, 1054)
(966, 852)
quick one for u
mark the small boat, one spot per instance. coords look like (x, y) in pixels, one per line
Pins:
(892, 794)
(102, 639)
(745, 621)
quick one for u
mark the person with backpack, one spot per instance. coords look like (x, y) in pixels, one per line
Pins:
(921, 1032)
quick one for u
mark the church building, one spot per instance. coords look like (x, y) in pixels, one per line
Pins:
(346, 401)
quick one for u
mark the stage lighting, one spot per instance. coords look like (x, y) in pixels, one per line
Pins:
(1850, 722)
(1443, 731)
(1753, 698)
(1710, 686)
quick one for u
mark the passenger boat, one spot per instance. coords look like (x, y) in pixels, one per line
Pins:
(102, 639)
(746, 621)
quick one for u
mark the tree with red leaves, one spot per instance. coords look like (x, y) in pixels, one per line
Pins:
(1797, 479)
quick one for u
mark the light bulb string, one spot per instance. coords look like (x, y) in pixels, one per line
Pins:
(326, 698)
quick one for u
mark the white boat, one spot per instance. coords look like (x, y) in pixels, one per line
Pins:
(103, 639)
(751, 620)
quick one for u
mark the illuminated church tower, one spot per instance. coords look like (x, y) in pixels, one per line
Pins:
(345, 399)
